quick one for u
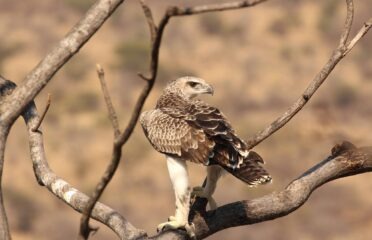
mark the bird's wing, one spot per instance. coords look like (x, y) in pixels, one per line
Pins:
(174, 136)
(229, 149)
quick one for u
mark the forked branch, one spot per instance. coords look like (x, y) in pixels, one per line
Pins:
(345, 159)
(38, 78)
(338, 54)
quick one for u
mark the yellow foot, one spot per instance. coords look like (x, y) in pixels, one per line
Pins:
(173, 223)
(199, 192)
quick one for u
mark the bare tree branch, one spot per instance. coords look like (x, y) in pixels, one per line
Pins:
(348, 23)
(345, 160)
(313, 86)
(6, 88)
(57, 186)
(150, 20)
(180, 11)
(110, 107)
(37, 126)
(85, 229)
(36, 80)
(4, 227)
(64, 191)
(367, 25)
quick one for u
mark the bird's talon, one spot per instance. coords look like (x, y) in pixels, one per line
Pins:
(174, 224)
(190, 229)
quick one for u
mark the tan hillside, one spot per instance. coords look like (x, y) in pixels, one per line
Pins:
(259, 61)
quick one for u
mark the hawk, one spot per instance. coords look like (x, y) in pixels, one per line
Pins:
(184, 128)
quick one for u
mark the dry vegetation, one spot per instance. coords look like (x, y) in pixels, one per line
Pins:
(259, 61)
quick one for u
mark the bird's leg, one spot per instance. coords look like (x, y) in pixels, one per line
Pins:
(214, 172)
(179, 176)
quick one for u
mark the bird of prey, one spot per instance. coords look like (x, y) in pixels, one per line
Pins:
(184, 128)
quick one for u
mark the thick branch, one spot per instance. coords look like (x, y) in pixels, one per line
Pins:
(37, 79)
(4, 227)
(346, 160)
(6, 88)
(57, 186)
(64, 191)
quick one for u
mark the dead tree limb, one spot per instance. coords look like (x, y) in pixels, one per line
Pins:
(4, 227)
(85, 229)
(6, 88)
(338, 54)
(13, 105)
(56, 185)
(345, 160)
(64, 191)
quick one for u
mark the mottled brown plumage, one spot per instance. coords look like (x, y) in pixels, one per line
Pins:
(192, 130)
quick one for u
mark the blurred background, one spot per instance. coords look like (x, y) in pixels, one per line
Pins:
(259, 61)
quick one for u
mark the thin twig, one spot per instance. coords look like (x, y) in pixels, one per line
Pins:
(150, 20)
(121, 139)
(37, 126)
(348, 23)
(367, 25)
(183, 11)
(110, 107)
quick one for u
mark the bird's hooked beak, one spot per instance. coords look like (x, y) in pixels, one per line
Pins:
(209, 89)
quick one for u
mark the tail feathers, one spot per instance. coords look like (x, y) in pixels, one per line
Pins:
(251, 171)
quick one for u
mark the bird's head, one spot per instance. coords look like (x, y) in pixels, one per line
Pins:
(190, 87)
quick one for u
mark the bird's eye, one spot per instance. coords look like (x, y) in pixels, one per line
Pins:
(193, 84)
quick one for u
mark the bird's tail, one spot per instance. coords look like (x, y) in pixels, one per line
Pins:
(251, 170)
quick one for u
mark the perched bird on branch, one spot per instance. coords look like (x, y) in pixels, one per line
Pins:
(184, 128)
